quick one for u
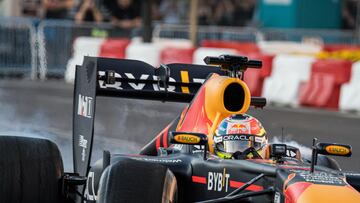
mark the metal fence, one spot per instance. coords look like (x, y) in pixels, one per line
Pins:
(17, 47)
(56, 42)
(298, 35)
(43, 48)
(257, 34)
(206, 32)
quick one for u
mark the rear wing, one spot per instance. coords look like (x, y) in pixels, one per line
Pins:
(129, 79)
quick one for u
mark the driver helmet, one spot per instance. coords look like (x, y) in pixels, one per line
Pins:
(238, 133)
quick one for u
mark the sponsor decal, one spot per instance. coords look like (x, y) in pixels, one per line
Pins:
(277, 197)
(185, 79)
(140, 86)
(221, 182)
(83, 144)
(198, 148)
(259, 139)
(351, 174)
(321, 178)
(187, 139)
(85, 106)
(238, 128)
(218, 181)
(218, 139)
(337, 150)
(235, 137)
(158, 160)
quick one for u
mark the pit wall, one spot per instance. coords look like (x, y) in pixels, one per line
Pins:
(293, 74)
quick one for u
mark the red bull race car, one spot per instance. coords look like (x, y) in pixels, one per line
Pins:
(179, 164)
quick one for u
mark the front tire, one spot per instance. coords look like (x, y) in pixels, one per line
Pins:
(30, 170)
(137, 181)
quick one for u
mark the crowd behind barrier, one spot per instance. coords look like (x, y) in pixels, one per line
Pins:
(294, 73)
(127, 13)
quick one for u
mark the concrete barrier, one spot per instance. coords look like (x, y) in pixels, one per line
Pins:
(147, 52)
(202, 52)
(350, 92)
(289, 71)
(83, 46)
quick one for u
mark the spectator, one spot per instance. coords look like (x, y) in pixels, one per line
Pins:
(224, 13)
(244, 11)
(172, 11)
(204, 13)
(31, 7)
(125, 13)
(349, 12)
(88, 12)
(57, 9)
(155, 10)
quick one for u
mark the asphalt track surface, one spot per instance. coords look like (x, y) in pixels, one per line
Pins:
(44, 109)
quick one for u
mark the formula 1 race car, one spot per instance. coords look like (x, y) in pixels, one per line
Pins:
(178, 165)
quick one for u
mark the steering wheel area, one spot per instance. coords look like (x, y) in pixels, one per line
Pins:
(249, 153)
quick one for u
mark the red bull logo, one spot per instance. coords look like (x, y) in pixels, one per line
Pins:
(238, 128)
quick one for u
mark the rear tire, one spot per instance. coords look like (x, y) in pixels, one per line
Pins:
(136, 181)
(30, 170)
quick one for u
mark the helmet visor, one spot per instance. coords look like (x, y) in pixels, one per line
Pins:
(232, 146)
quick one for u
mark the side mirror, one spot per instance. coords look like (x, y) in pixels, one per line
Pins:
(328, 149)
(333, 149)
(189, 138)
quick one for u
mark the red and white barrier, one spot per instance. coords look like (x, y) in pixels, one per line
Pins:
(284, 47)
(350, 92)
(114, 48)
(286, 78)
(83, 46)
(177, 55)
(147, 52)
(254, 78)
(289, 71)
(202, 52)
(323, 88)
(242, 47)
(151, 52)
